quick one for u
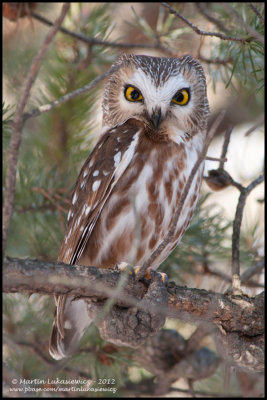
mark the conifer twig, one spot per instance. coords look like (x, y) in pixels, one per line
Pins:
(256, 35)
(244, 278)
(258, 123)
(216, 159)
(100, 42)
(244, 192)
(211, 18)
(50, 106)
(13, 151)
(254, 270)
(215, 34)
(225, 145)
(256, 11)
(215, 60)
(50, 198)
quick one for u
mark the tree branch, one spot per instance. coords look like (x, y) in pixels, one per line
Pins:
(244, 278)
(241, 22)
(216, 159)
(100, 42)
(218, 179)
(254, 270)
(216, 60)
(37, 276)
(258, 123)
(13, 151)
(211, 18)
(225, 145)
(256, 11)
(244, 192)
(50, 106)
(205, 33)
(239, 320)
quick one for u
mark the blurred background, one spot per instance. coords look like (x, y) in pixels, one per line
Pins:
(55, 145)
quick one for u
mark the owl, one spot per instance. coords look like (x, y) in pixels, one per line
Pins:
(155, 113)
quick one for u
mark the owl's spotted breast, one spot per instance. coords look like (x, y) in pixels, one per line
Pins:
(139, 211)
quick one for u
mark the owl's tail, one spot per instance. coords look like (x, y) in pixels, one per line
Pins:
(70, 322)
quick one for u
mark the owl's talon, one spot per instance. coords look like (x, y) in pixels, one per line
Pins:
(132, 326)
(123, 266)
(164, 277)
(136, 269)
(148, 275)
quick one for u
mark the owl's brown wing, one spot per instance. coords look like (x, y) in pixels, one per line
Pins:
(99, 174)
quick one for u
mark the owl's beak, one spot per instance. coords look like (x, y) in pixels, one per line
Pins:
(155, 118)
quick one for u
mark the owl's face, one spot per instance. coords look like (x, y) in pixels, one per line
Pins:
(168, 95)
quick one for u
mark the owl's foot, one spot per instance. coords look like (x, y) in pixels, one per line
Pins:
(132, 326)
(123, 266)
(148, 276)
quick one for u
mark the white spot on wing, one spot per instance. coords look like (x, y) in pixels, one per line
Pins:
(68, 251)
(68, 235)
(127, 157)
(82, 185)
(74, 198)
(96, 173)
(69, 215)
(77, 223)
(117, 159)
(88, 208)
(85, 173)
(96, 185)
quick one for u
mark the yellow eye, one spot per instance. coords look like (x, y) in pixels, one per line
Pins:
(182, 97)
(132, 94)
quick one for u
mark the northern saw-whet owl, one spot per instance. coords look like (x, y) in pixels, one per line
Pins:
(155, 113)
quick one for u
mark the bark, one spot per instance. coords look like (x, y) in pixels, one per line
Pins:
(238, 320)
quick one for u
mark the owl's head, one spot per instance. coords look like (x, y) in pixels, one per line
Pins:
(160, 92)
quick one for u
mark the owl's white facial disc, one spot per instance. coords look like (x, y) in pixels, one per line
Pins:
(158, 97)
(150, 89)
